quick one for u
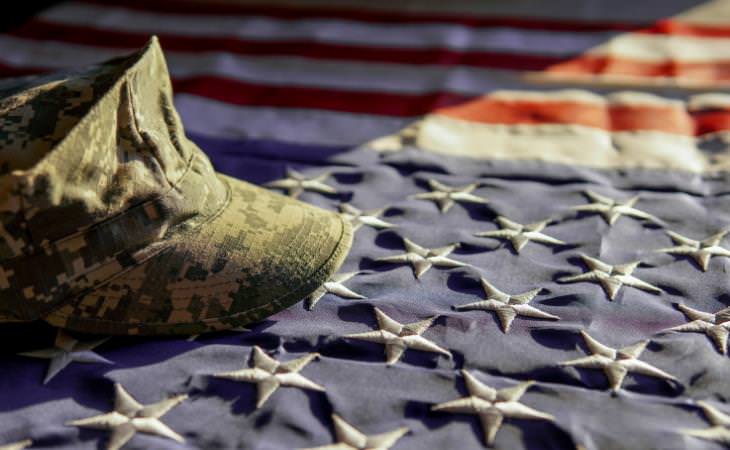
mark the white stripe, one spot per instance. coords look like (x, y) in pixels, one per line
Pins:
(660, 48)
(304, 126)
(709, 101)
(715, 12)
(558, 143)
(51, 54)
(420, 36)
(637, 98)
(567, 95)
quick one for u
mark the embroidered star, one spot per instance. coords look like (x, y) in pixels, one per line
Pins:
(397, 337)
(130, 417)
(716, 326)
(612, 209)
(519, 235)
(66, 350)
(20, 445)
(616, 363)
(422, 259)
(445, 196)
(506, 306)
(334, 286)
(611, 278)
(492, 405)
(359, 218)
(700, 251)
(295, 183)
(720, 429)
(350, 438)
(269, 374)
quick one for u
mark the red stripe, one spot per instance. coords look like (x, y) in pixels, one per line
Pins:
(251, 94)
(44, 31)
(484, 110)
(661, 26)
(10, 71)
(677, 28)
(379, 103)
(366, 15)
(611, 117)
(715, 71)
(711, 121)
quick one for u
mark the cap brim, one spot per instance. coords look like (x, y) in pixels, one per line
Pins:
(260, 253)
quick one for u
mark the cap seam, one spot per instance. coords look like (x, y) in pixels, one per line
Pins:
(162, 243)
(122, 78)
(345, 236)
(122, 82)
(111, 220)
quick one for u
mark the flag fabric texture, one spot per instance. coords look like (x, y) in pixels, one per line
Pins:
(540, 206)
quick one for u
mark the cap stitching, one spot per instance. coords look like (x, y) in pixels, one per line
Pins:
(163, 241)
(52, 308)
(118, 216)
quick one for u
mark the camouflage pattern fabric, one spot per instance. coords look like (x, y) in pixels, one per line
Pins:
(113, 222)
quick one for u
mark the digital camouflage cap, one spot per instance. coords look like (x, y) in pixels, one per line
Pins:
(112, 221)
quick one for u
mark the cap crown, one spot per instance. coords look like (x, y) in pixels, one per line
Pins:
(95, 170)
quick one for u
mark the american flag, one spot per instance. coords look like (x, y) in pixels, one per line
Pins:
(541, 199)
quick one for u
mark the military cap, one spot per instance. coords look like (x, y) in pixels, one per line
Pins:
(113, 222)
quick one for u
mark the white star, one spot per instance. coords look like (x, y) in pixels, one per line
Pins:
(716, 326)
(700, 251)
(269, 374)
(295, 183)
(130, 417)
(350, 438)
(612, 209)
(445, 196)
(359, 218)
(616, 363)
(507, 306)
(611, 278)
(17, 445)
(422, 259)
(519, 235)
(397, 337)
(720, 429)
(492, 405)
(334, 286)
(66, 350)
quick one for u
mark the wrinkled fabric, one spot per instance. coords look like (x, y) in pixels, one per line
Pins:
(647, 412)
(121, 226)
(349, 379)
